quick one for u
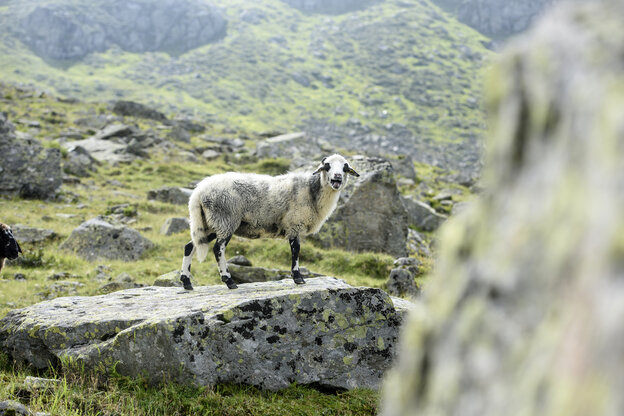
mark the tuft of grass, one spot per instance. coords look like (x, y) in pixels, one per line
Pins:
(79, 392)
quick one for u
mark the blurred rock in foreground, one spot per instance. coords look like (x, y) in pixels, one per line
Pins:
(525, 314)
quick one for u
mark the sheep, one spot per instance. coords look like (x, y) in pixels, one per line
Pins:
(253, 206)
(9, 248)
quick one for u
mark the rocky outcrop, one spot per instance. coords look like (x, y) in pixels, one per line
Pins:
(497, 17)
(99, 239)
(524, 313)
(329, 6)
(370, 215)
(64, 30)
(265, 334)
(421, 215)
(27, 169)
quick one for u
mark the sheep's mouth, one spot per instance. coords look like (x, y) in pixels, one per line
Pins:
(336, 183)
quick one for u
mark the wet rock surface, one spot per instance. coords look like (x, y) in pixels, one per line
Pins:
(264, 334)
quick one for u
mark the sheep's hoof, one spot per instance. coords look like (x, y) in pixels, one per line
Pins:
(298, 280)
(186, 281)
(229, 282)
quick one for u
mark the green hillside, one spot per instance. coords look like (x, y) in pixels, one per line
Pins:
(402, 69)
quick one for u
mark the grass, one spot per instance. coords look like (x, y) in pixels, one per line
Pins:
(79, 393)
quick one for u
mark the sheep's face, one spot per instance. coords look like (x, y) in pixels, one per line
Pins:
(334, 170)
(8, 246)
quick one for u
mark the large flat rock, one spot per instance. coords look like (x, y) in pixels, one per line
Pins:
(267, 334)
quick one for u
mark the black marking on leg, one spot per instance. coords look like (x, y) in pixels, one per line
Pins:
(207, 238)
(231, 284)
(186, 281)
(294, 249)
(188, 249)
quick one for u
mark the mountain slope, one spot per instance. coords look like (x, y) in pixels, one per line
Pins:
(394, 77)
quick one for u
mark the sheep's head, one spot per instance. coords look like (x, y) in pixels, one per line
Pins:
(334, 170)
(8, 246)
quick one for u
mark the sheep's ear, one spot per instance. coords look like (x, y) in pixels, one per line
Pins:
(321, 168)
(350, 171)
(19, 249)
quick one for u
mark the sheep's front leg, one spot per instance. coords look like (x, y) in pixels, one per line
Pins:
(185, 273)
(219, 252)
(294, 250)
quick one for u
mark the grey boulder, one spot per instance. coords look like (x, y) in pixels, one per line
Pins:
(27, 169)
(264, 334)
(175, 225)
(26, 234)
(170, 194)
(99, 239)
(421, 215)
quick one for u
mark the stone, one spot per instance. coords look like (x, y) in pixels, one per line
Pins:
(401, 281)
(100, 239)
(26, 234)
(524, 312)
(267, 334)
(171, 279)
(179, 134)
(370, 215)
(421, 215)
(248, 274)
(79, 162)
(240, 261)
(121, 282)
(103, 150)
(114, 130)
(134, 109)
(291, 145)
(38, 383)
(170, 194)
(27, 169)
(210, 154)
(175, 225)
(13, 408)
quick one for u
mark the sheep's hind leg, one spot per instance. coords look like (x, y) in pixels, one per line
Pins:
(294, 250)
(219, 252)
(185, 273)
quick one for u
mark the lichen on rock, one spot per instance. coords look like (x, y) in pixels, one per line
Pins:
(524, 313)
(265, 334)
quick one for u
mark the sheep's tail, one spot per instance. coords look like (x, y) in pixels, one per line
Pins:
(200, 233)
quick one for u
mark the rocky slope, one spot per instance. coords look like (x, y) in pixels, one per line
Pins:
(389, 76)
(69, 29)
(498, 18)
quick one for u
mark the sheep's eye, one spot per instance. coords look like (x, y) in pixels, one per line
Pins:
(345, 168)
(326, 167)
